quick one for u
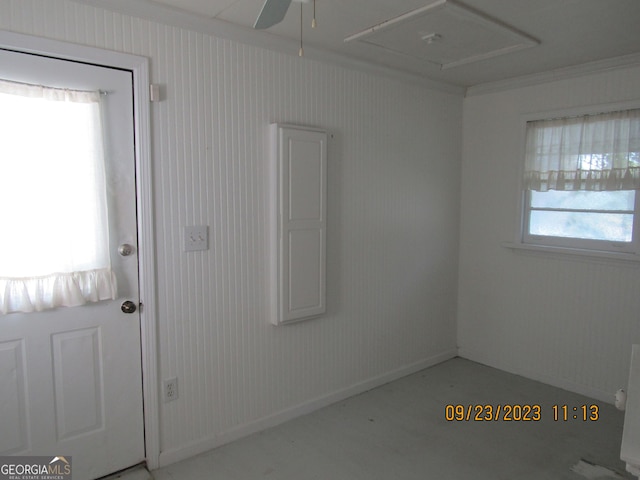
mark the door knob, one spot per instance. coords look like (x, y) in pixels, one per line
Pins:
(128, 307)
(125, 249)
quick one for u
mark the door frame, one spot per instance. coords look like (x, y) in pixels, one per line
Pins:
(139, 66)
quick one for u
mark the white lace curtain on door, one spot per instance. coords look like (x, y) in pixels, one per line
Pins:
(54, 243)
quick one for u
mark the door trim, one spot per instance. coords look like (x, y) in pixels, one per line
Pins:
(139, 66)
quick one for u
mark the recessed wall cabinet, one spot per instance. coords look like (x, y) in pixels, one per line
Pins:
(298, 189)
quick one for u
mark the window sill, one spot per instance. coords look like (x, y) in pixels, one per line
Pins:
(573, 252)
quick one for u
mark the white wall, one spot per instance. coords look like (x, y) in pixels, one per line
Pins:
(568, 321)
(394, 166)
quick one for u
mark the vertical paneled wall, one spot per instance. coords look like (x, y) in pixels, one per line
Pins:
(569, 321)
(393, 198)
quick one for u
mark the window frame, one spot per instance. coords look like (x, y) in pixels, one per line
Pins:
(526, 240)
(581, 243)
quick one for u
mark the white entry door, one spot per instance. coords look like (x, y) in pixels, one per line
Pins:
(70, 377)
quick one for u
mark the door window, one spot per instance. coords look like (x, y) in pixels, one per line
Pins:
(54, 250)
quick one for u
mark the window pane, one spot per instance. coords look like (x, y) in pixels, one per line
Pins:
(584, 200)
(597, 226)
(53, 197)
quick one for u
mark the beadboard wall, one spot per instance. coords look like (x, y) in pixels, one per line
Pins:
(568, 321)
(393, 200)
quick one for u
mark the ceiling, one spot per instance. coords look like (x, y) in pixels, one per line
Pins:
(459, 42)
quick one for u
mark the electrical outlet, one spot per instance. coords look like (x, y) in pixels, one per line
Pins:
(196, 238)
(170, 390)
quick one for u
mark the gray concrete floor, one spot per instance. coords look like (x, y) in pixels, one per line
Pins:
(399, 432)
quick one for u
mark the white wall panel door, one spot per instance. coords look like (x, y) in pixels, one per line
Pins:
(71, 377)
(299, 177)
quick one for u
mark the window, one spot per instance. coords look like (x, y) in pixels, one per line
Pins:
(54, 250)
(581, 180)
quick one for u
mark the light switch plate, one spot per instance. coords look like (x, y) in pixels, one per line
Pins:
(196, 238)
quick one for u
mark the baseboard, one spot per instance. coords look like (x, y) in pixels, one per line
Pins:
(183, 452)
(564, 384)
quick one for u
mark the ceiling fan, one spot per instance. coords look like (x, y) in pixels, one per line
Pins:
(273, 12)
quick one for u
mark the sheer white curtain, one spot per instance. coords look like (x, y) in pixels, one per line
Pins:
(591, 152)
(54, 246)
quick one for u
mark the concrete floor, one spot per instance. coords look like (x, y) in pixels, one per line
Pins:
(399, 432)
(134, 473)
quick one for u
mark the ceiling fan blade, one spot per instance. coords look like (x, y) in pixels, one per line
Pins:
(273, 12)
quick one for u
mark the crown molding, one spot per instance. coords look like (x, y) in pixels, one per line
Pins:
(599, 66)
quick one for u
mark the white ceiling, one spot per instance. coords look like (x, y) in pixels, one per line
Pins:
(561, 33)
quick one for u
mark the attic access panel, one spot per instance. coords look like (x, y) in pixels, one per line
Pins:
(445, 33)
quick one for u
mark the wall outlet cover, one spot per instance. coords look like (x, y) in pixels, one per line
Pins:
(170, 389)
(196, 238)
